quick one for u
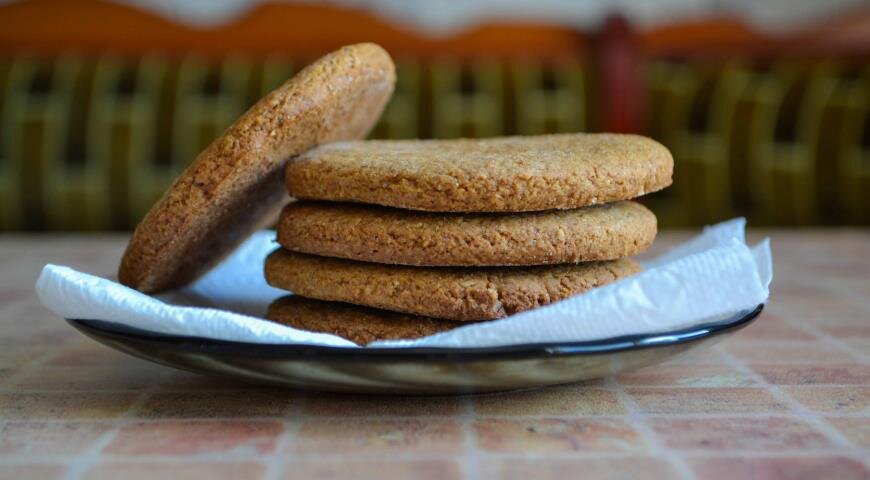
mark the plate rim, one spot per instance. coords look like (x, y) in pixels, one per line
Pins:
(100, 329)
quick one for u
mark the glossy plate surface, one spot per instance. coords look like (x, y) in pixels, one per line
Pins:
(412, 370)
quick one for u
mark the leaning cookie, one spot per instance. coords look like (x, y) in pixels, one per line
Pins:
(461, 294)
(360, 325)
(234, 186)
(508, 174)
(387, 235)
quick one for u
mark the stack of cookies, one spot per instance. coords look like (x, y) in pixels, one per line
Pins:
(399, 239)
(402, 239)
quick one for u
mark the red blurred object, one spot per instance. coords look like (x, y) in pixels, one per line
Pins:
(620, 77)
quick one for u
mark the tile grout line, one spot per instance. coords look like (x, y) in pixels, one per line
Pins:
(471, 463)
(856, 298)
(799, 411)
(82, 463)
(290, 432)
(657, 449)
(814, 331)
(824, 338)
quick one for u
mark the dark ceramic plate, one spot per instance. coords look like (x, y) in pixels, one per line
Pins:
(412, 370)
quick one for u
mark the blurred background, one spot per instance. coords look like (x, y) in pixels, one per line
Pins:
(765, 104)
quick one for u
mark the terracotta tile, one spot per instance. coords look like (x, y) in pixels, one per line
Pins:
(383, 469)
(328, 436)
(785, 287)
(821, 242)
(34, 471)
(550, 401)
(770, 325)
(788, 353)
(361, 405)
(793, 467)
(44, 438)
(850, 399)
(64, 406)
(635, 468)
(555, 435)
(196, 437)
(853, 319)
(687, 376)
(35, 325)
(176, 470)
(857, 430)
(847, 332)
(269, 403)
(835, 374)
(861, 345)
(10, 295)
(19, 356)
(703, 356)
(51, 335)
(31, 313)
(90, 353)
(177, 380)
(824, 308)
(128, 377)
(704, 400)
(737, 433)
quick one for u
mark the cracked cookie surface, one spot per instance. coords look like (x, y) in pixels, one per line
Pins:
(505, 174)
(461, 294)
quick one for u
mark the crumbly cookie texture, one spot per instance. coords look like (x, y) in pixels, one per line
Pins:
(507, 174)
(234, 186)
(461, 294)
(360, 325)
(388, 235)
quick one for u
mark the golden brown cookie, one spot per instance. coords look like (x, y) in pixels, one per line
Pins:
(360, 325)
(462, 294)
(509, 174)
(387, 235)
(234, 186)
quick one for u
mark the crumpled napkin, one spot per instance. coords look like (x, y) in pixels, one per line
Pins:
(708, 278)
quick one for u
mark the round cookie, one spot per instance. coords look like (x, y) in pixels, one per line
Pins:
(508, 174)
(461, 294)
(386, 235)
(360, 325)
(234, 186)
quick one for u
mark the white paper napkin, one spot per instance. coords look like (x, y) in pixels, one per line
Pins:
(707, 278)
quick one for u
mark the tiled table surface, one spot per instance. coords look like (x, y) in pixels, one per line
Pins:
(786, 398)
